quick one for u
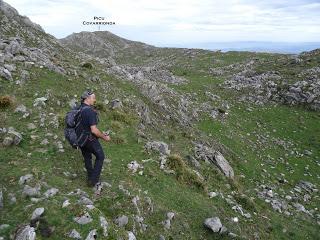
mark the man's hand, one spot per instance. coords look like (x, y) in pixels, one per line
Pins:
(107, 138)
(99, 134)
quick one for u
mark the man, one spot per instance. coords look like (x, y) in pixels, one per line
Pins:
(88, 122)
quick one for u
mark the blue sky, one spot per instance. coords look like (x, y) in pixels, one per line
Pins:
(168, 22)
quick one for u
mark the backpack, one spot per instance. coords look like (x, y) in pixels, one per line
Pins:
(74, 132)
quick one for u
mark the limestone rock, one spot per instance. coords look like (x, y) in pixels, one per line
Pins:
(214, 224)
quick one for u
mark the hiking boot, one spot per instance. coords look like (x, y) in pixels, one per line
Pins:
(90, 183)
(98, 188)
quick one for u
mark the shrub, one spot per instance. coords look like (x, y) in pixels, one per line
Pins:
(118, 139)
(183, 173)
(116, 125)
(87, 65)
(121, 117)
(99, 106)
(245, 202)
(5, 101)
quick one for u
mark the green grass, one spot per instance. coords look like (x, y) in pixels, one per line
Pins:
(179, 193)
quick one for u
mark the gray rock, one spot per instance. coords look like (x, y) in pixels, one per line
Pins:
(31, 126)
(14, 135)
(30, 191)
(121, 221)
(85, 201)
(6, 74)
(66, 203)
(134, 166)
(73, 103)
(84, 219)
(194, 162)
(12, 198)
(170, 215)
(21, 109)
(116, 103)
(24, 76)
(131, 236)
(161, 147)
(144, 114)
(300, 207)
(40, 102)
(1, 199)
(167, 224)
(51, 192)
(214, 224)
(25, 232)
(161, 237)
(307, 186)
(25, 179)
(74, 234)
(104, 225)
(92, 235)
(212, 194)
(10, 67)
(209, 155)
(7, 141)
(37, 213)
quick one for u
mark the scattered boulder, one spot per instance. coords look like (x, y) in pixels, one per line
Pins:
(37, 213)
(1, 199)
(215, 157)
(134, 166)
(12, 137)
(116, 103)
(74, 234)
(212, 194)
(25, 232)
(131, 236)
(104, 225)
(40, 102)
(214, 224)
(31, 126)
(51, 192)
(5, 73)
(84, 219)
(121, 221)
(158, 146)
(92, 235)
(25, 179)
(66, 203)
(85, 201)
(167, 223)
(31, 191)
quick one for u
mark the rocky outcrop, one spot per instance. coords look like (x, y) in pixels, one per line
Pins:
(210, 155)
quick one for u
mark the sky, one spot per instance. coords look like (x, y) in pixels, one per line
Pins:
(170, 22)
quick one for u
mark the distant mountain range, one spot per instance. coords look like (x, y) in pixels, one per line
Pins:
(271, 47)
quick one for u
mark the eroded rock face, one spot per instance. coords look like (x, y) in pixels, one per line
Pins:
(158, 146)
(271, 86)
(25, 232)
(11, 137)
(215, 157)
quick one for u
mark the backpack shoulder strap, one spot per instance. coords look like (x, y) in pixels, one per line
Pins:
(79, 116)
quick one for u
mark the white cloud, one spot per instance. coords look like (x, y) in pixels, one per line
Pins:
(176, 21)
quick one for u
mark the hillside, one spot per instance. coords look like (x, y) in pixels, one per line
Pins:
(205, 144)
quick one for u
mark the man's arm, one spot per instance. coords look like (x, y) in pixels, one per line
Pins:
(98, 133)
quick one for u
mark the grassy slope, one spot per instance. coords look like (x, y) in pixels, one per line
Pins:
(190, 204)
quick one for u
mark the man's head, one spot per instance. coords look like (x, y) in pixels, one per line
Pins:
(88, 97)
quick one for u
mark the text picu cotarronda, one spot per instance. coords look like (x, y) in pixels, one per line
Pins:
(98, 21)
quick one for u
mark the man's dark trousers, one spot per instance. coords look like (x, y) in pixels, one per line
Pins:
(93, 171)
